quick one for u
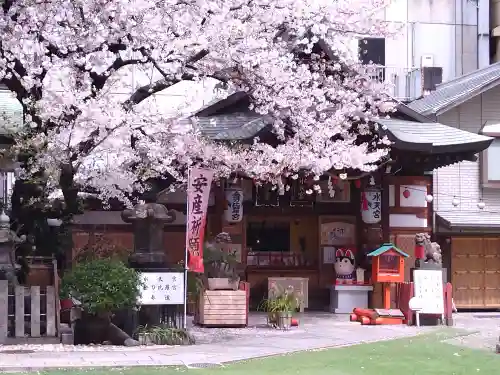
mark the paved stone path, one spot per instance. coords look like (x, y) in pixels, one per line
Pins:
(214, 345)
(483, 328)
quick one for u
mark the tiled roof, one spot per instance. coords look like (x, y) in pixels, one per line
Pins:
(469, 219)
(233, 127)
(434, 136)
(386, 247)
(458, 90)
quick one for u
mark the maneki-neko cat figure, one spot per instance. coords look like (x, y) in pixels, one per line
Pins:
(345, 265)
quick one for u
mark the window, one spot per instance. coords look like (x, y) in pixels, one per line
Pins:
(490, 171)
(268, 236)
(372, 51)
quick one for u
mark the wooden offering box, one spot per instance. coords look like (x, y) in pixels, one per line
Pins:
(388, 264)
(223, 308)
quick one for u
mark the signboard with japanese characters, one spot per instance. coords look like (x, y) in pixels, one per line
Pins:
(337, 233)
(198, 191)
(162, 288)
(371, 206)
(428, 286)
(233, 212)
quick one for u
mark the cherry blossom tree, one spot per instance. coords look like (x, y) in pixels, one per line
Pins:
(90, 127)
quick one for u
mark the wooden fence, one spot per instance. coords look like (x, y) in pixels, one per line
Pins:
(27, 313)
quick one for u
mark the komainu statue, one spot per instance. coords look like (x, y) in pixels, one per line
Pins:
(432, 249)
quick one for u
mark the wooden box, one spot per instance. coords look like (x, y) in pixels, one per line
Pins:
(222, 308)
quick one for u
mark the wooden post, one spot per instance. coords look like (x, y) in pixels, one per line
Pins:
(19, 310)
(4, 308)
(387, 296)
(35, 311)
(50, 312)
(57, 303)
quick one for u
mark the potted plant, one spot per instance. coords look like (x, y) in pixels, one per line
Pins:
(221, 265)
(102, 286)
(280, 306)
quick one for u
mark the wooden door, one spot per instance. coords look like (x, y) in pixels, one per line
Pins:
(475, 267)
(468, 272)
(491, 253)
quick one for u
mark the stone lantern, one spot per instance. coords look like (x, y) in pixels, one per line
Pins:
(8, 240)
(148, 220)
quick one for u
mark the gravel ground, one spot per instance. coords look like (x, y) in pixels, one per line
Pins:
(257, 328)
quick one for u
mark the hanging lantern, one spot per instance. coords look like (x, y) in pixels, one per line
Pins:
(234, 206)
(406, 193)
(481, 205)
(357, 183)
(455, 202)
(429, 198)
(371, 206)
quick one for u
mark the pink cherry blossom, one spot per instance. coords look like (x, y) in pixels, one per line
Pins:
(90, 75)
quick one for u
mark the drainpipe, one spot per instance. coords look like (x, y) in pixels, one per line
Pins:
(483, 32)
(495, 27)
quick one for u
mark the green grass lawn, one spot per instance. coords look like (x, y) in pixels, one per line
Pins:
(416, 356)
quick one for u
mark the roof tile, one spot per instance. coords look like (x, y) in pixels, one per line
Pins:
(456, 90)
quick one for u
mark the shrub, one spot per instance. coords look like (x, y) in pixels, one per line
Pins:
(102, 285)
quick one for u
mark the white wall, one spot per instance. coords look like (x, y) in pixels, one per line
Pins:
(445, 29)
(463, 179)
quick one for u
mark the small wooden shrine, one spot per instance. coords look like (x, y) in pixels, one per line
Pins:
(388, 267)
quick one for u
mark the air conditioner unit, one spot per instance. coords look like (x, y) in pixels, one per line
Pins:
(426, 61)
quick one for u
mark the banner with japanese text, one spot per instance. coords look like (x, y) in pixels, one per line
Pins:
(198, 191)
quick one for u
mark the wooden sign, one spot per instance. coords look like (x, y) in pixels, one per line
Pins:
(428, 286)
(337, 233)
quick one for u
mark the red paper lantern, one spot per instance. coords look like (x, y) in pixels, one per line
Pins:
(357, 183)
(406, 193)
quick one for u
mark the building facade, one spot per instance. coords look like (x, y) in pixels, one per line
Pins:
(467, 194)
(438, 41)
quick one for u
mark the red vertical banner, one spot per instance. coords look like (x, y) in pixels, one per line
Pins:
(198, 192)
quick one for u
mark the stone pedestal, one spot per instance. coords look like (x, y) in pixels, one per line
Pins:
(345, 298)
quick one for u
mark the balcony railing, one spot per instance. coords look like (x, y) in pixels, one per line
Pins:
(404, 83)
